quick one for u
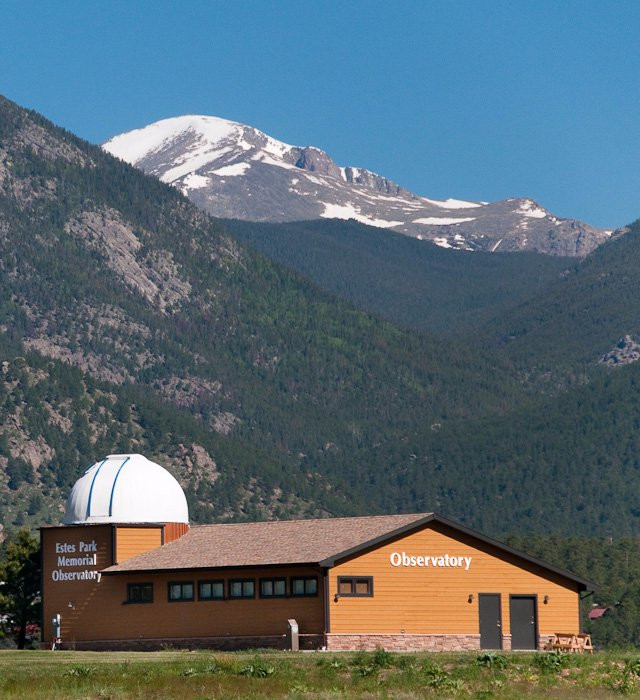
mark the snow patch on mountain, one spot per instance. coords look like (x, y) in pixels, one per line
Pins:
(193, 161)
(232, 170)
(263, 158)
(277, 148)
(456, 242)
(529, 208)
(453, 203)
(194, 182)
(135, 145)
(348, 211)
(442, 220)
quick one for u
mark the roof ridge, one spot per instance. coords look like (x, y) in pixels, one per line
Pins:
(316, 520)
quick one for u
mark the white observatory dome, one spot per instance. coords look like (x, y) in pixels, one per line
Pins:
(126, 489)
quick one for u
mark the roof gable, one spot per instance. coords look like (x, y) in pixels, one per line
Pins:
(456, 527)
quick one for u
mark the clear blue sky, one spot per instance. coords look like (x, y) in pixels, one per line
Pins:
(475, 100)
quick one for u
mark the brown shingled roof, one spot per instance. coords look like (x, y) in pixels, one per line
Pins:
(265, 543)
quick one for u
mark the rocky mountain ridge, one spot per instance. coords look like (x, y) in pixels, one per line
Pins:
(235, 171)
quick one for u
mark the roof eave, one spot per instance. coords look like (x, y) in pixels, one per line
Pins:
(175, 570)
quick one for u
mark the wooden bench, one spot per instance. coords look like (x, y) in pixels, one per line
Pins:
(584, 642)
(570, 642)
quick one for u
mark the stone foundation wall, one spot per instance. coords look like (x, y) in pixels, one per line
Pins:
(403, 642)
(333, 642)
(307, 641)
(544, 641)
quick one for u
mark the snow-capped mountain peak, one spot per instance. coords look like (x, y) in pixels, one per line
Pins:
(236, 171)
(141, 143)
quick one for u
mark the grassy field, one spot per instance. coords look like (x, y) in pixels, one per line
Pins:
(198, 675)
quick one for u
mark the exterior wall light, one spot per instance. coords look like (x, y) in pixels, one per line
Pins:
(335, 598)
(545, 600)
(470, 598)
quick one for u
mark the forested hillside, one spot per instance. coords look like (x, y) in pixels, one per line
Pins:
(566, 458)
(131, 321)
(405, 280)
(118, 275)
(576, 456)
(56, 420)
(578, 318)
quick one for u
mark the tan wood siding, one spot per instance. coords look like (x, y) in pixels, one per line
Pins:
(434, 600)
(136, 540)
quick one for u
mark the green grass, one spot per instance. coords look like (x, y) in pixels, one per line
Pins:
(264, 674)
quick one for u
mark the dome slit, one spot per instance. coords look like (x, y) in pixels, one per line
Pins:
(93, 481)
(113, 488)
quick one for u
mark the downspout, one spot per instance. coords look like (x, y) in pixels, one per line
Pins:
(327, 620)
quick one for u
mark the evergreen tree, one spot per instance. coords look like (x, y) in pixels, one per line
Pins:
(20, 570)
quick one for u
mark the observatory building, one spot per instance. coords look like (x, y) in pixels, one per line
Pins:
(126, 571)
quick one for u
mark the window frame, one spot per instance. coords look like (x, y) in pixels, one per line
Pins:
(354, 580)
(231, 581)
(182, 599)
(273, 579)
(305, 579)
(212, 598)
(131, 586)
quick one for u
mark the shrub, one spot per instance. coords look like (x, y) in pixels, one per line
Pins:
(439, 679)
(633, 666)
(80, 671)
(382, 658)
(368, 670)
(492, 660)
(257, 670)
(551, 660)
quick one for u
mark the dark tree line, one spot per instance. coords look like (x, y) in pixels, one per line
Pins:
(20, 570)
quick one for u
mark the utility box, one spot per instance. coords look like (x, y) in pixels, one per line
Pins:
(56, 634)
(293, 640)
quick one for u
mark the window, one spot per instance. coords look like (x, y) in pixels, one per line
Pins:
(273, 587)
(139, 593)
(355, 586)
(242, 588)
(304, 585)
(180, 590)
(211, 590)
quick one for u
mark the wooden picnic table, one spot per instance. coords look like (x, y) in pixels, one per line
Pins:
(570, 642)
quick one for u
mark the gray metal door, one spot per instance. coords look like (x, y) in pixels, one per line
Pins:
(524, 621)
(490, 621)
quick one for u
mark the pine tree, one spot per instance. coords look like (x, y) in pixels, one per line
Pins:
(20, 584)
